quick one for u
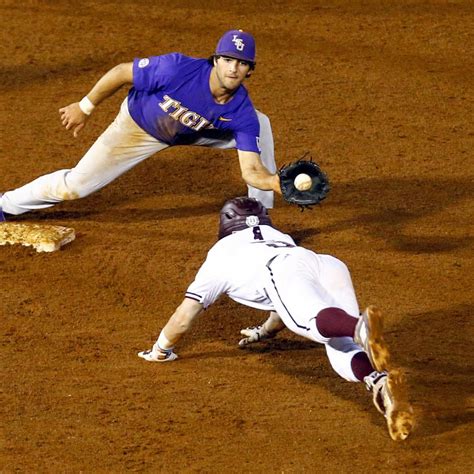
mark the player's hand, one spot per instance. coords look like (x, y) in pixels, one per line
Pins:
(158, 355)
(73, 118)
(254, 334)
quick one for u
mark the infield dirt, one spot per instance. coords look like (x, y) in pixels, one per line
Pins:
(381, 94)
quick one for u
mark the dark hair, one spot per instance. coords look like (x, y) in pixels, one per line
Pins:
(213, 57)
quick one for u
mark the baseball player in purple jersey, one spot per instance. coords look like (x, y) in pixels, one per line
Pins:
(174, 100)
(310, 294)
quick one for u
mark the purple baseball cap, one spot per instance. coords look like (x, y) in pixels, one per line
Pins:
(237, 44)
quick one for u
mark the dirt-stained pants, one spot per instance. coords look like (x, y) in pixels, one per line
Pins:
(121, 146)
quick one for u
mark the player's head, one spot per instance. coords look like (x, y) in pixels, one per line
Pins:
(236, 44)
(241, 213)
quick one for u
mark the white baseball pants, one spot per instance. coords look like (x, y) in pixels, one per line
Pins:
(121, 146)
(302, 283)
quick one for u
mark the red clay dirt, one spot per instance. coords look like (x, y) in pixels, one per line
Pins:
(380, 93)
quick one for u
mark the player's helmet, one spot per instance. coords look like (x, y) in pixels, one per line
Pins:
(240, 213)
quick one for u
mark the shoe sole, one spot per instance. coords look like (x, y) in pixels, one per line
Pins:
(379, 353)
(400, 418)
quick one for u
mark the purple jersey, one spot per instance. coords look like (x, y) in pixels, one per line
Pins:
(171, 100)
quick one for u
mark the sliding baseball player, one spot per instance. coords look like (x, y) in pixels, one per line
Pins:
(310, 294)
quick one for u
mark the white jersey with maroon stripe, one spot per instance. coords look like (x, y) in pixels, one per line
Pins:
(236, 266)
(263, 268)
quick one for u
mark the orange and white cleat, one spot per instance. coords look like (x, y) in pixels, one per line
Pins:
(390, 398)
(369, 335)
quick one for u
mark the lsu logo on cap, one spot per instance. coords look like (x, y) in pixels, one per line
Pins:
(239, 43)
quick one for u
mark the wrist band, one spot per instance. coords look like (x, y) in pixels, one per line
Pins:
(86, 105)
(164, 343)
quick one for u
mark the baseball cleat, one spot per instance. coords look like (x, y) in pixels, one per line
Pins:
(158, 356)
(369, 335)
(390, 399)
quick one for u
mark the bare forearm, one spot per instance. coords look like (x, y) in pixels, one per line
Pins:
(74, 116)
(179, 323)
(274, 323)
(111, 82)
(262, 179)
(181, 320)
(255, 174)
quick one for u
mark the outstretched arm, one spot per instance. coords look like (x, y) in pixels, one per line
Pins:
(179, 323)
(74, 116)
(255, 174)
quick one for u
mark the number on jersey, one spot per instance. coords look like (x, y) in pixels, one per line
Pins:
(257, 235)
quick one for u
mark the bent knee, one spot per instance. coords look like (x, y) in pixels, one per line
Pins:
(76, 187)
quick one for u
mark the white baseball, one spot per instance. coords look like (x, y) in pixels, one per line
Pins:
(303, 182)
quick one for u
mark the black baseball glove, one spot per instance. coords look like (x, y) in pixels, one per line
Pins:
(319, 183)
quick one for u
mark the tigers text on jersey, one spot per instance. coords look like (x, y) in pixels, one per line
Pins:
(236, 266)
(172, 101)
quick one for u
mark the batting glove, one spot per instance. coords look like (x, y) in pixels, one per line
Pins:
(254, 334)
(158, 355)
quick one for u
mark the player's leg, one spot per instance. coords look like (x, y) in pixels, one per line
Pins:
(315, 298)
(334, 276)
(293, 288)
(343, 319)
(267, 155)
(347, 359)
(295, 284)
(310, 310)
(122, 146)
